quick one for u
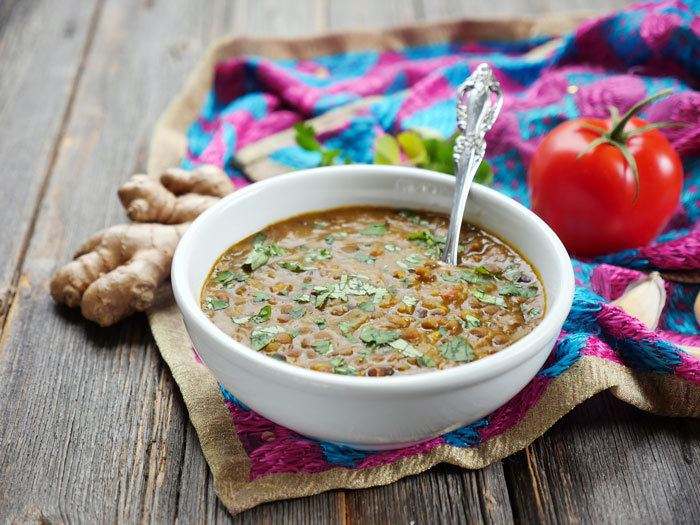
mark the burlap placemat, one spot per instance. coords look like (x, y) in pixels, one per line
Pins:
(254, 460)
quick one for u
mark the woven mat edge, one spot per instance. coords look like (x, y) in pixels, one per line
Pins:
(169, 142)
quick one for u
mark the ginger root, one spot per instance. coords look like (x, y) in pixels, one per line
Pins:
(178, 196)
(117, 271)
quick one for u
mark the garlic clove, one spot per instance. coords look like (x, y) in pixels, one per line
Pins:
(645, 299)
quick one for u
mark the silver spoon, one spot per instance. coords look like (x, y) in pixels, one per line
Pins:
(474, 119)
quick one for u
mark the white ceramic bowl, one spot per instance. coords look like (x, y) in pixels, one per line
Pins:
(368, 412)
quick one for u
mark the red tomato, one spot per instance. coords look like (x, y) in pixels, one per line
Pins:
(590, 203)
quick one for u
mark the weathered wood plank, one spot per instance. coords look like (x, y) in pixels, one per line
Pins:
(93, 430)
(41, 52)
(608, 462)
(444, 494)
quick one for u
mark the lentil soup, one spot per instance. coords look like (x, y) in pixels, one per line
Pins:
(361, 291)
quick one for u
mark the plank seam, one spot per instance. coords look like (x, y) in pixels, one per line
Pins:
(53, 155)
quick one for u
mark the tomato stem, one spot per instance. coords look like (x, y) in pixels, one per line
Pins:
(617, 133)
(617, 136)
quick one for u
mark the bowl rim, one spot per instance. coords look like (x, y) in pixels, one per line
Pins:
(433, 381)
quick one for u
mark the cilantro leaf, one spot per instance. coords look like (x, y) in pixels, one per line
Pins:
(457, 350)
(263, 315)
(305, 298)
(366, 306)
(346, 328)
(426, 362)
(373, 337)
(512, 273)
(262, 336)
(323, 347)
(322, 324)
(412, 216)
(405, 348)
(488, 298)
(364, 258)
(515, 289)
(217, 304)
(296, 267)
(339, 367)
(306, 137)
(261, 253)
(259, 297)
(377, 230)
(392, 248)
(471, 321)
(530, 313)
(298, 312)
(427, 238)
(409, 301)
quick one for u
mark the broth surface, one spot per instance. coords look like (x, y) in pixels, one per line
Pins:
(361, 291)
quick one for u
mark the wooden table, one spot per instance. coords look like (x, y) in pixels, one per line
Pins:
(92, 426)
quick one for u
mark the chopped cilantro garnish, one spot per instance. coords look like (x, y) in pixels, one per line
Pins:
(305, 298)
(409, 301)
(515, 289)
(263, 315)
(512, 273)
(405, 348)
(261, 253)
(226, 276)
(457, 350)
(393, 290)
(322, 324)
(426, 238)
(471, 321)
(320, 226)
(392, 248)
(323, 347)
(473, 278)
(377, 230)
(284, 292)
(465, 276)
(413, 217)
(484, 271)
(346, 328)
(259, 238)
(407, 282)
(298, 312)
(217, 304)
(259, 297)
(331, 237)
(366, 306)
(262, 336)
(530, 313)
(296, 267)
(317, 255)
(373, 337)
(364, 258)
(488, 298)
(294, 333)
(425, 361)
(442, 330)
(339, 367)
(379, 295)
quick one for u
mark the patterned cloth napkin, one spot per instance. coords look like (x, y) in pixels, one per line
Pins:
(355, 90)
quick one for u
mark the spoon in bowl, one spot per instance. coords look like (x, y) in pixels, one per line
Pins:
(475, 116)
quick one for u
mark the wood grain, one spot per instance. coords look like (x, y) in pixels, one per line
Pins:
(608, 462)
(41, 56)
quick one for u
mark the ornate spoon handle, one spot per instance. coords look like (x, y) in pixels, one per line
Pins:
(474, 118)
